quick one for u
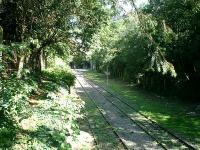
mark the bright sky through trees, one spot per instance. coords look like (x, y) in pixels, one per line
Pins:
(127, 7)
(141, 2)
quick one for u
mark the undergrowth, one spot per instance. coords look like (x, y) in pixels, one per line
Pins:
(39, 114)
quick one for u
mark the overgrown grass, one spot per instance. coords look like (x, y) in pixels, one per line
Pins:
(171, 113)
(39, 115)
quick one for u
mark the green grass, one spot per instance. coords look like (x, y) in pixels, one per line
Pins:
(168, 112)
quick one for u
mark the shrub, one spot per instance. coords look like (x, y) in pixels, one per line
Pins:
(14, 96)
(38, 114)
(62, 77)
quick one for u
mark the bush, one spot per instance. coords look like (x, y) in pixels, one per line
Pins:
(14, 96)
(39, 114)
(59, 76)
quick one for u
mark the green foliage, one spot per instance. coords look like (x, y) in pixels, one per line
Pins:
(14, 96)
(39, 114)
(102, 49)
(60, 77)
(7, 135)
(13, 103)
(48, 28)
(182, 26)
(160, 39)
(159, 64)
(78, 59)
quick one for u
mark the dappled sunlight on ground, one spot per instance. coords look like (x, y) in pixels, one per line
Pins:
(84, 141)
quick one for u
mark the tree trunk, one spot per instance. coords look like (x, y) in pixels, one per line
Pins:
(1, 39)
(42, 60)
(35, 61)
(45, 62)
(1, 61)
(164, 84)
(21, 66)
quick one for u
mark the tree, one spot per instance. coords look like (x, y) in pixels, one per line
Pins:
(181, 16)
(157, 45)
(39, 24)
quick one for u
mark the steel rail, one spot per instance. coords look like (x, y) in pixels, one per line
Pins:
(116, 134)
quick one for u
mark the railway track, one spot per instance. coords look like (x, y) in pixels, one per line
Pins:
(155, 126)
(128, 133)
(99, 109)
(165, 138)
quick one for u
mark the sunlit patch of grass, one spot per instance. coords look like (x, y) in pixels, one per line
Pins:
(169, 112)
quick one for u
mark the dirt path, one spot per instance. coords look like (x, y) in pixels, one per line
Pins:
(126, 132)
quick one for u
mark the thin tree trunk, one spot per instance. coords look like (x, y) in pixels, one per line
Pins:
(35, 61)
(1, 59)
(45, 62)
(164, 84)
(21, 66)
(1, 39)
(42, 60)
